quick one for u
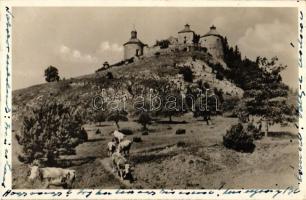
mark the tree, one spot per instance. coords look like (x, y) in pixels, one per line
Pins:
(100, 116)
(144, 119)
(163, 44)
(196, 39)
(51, 74)
(267, 96)
(118, 115)
(202, 109)
(172, 105)
(48, 128)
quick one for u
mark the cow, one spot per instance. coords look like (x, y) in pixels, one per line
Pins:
(53, 176)
(111, 148)
(118, 136)
(121, 165)
(124, 147)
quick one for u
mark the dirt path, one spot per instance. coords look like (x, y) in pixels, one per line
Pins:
(106, 163)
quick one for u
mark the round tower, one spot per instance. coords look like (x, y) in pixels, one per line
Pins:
(133, 47)
(186, 35)
(212, 41)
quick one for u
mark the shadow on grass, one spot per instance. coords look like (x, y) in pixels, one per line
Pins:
(282, 134)
(171, 122)
(146, 158)
(64, 163)
(95, 140)
(103, 125)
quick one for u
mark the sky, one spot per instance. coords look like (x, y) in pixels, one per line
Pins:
(78, 40)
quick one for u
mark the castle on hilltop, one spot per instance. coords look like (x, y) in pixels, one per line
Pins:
(186, 39)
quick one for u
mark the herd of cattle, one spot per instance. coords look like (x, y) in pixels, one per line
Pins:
(118, 150)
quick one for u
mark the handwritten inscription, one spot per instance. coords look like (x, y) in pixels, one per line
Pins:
(7, 108)
(251, 193)
(301, 94)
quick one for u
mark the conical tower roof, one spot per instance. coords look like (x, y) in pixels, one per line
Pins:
(186, 29)
(134, 39)
(212, 31)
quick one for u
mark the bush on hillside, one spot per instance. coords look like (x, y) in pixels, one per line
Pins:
(238, 139)
(137, 139)
(83, 135)
(51, 74)
(187, 74)
(180, 131)
(126, 131)
(98, 131)
(48, 128)
(109, 75)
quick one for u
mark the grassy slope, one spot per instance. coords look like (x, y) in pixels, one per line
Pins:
(202, 163)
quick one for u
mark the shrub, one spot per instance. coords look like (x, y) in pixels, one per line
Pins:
(109, 75)
(145, 133)
(187, 74)
(126, 131)
(157, 53)
(206, 85)
(144, 119)
(181, 144)
(180, 131)
(231, 104)
(83, 135)
(98, 131)
(137, 139)
(47, 128)
(99, 117)
(237, 138)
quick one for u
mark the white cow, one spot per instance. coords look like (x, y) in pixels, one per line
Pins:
(111, 148)
(121, 165)
(53, 176)
(118, 135)
(124, 147)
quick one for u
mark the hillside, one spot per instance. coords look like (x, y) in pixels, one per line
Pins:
(145, 73)
(196, 159)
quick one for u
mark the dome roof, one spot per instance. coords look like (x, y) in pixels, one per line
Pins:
(212, 31)
(134, 41)
(186, 29)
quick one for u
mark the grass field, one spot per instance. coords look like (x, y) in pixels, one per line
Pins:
(196, 159)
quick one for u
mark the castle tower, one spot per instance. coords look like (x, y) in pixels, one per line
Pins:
(212, 41)
(133, 47)
(186, 35)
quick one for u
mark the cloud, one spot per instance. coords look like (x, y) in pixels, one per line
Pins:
(111, 47)
(105, 51)
(268, 39)
(272, 39)
(111, 52)
(74, 55)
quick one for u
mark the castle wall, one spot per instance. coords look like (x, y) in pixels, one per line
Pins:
(188, 35)
(213, 44)
(150, 51)
(130, 50)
